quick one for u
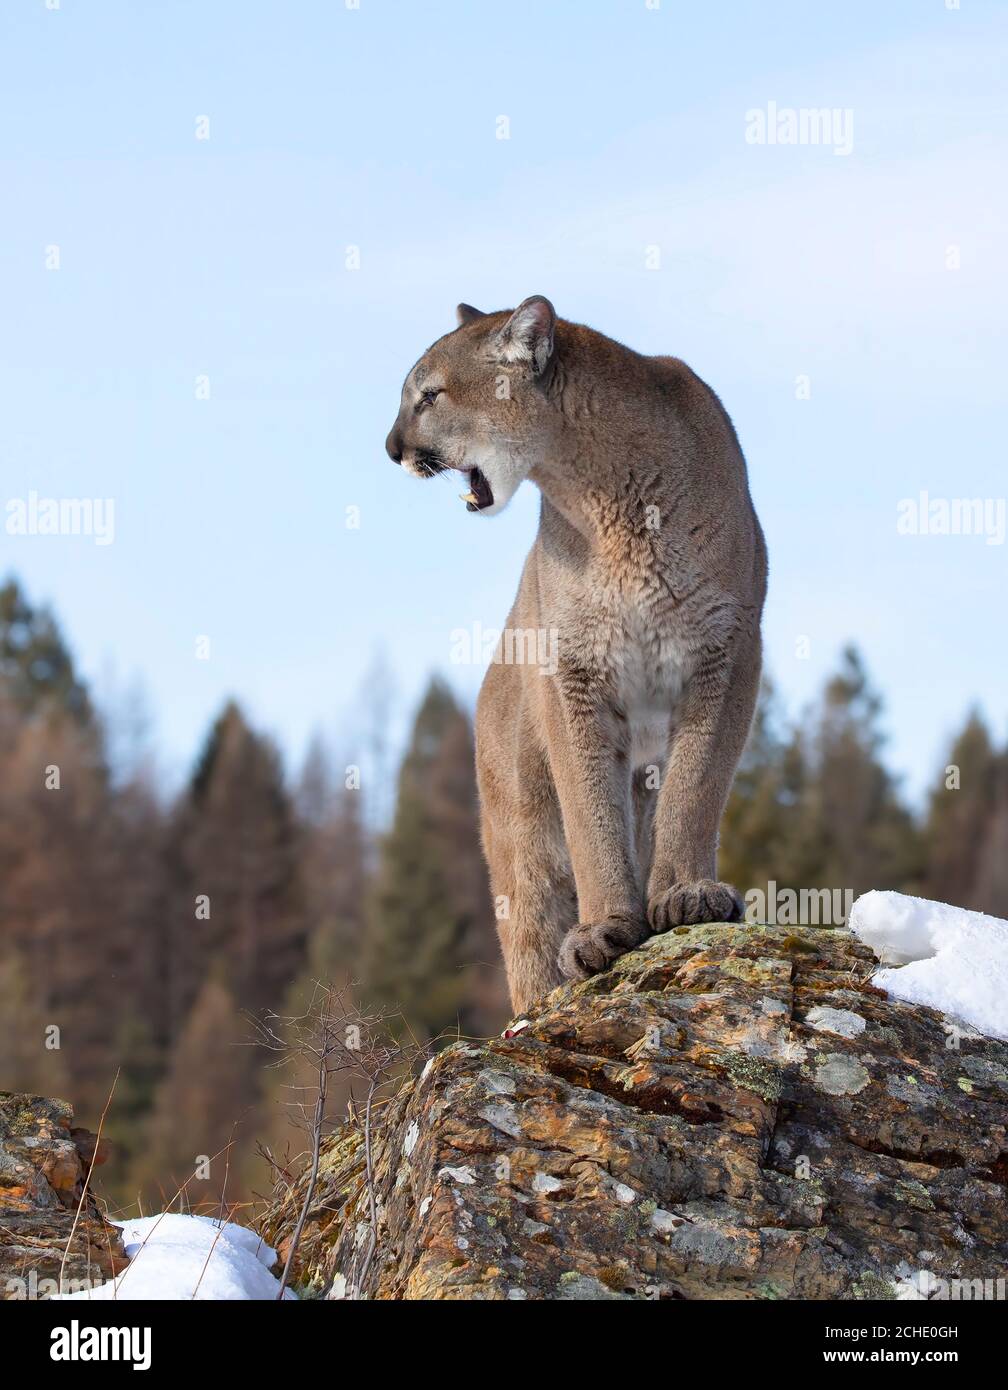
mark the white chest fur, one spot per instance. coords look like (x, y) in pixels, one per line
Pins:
(650, 670)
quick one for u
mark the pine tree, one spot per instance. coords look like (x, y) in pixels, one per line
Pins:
(234, 943)
(334, 865)
(234, 893)
(814, 807)
(990, 890)
(960, 817)
(454, 810)
(755, 827)
(429, 920)
(195, 1137)
(64, 880)
(30, 1062)
(851, 830)
(35, 666)
(139, 1063)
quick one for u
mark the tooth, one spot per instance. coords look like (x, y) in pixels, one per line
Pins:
(468, 497)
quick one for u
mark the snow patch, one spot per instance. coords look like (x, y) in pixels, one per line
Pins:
(184, 1257)
(410, 1139)
(665, 1221)
(938, 955)
(462, 1175)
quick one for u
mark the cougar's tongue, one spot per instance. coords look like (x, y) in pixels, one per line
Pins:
(480, 493)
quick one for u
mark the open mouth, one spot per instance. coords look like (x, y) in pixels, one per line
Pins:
(480, 493)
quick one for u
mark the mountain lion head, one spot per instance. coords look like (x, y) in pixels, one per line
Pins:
(476, 403)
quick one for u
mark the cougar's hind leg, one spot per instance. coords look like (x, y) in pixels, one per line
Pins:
(535, 897)
(535, 902)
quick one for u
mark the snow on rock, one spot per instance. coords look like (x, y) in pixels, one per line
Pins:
(462, 1175)
(184, 1257)
(942, 956)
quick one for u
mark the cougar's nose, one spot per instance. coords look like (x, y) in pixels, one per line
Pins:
(394, 446)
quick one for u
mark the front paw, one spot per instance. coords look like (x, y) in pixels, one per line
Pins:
(591, 947)
(686, 904)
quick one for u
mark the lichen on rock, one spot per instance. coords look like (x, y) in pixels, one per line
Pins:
(705, 1120)
(43, 1169)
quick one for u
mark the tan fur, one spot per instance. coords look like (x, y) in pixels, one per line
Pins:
(650, 568)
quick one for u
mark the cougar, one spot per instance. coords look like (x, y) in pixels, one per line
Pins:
(603, 773)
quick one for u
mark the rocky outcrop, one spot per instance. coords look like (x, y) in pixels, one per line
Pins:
(730, 1112)
(44, 1164)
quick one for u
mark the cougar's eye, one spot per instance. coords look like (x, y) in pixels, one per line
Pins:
(428, 397)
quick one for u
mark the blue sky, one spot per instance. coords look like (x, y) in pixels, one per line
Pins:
(376, 128)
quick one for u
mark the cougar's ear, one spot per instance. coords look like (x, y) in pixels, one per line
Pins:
(527, 337)
(467, 314)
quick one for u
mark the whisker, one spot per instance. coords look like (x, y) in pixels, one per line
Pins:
(429, 462)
